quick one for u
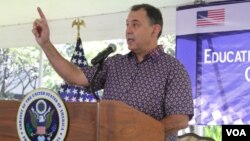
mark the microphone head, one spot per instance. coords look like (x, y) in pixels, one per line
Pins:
(113, 46)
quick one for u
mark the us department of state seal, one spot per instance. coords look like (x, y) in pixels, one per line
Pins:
(42, 116)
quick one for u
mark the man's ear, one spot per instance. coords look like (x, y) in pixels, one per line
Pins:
(156, 30)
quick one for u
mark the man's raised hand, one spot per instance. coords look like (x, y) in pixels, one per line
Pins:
(41, 29)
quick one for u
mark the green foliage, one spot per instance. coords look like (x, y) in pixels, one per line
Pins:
(168, 44)
(68, 49)
(214, 132)
(18, 70)
(51, 79)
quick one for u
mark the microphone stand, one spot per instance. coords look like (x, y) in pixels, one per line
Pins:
(99, 68)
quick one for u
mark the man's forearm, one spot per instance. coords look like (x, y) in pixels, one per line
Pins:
(174, 123)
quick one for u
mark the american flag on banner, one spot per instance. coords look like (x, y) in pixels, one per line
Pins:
(71, 93)
(211, 17)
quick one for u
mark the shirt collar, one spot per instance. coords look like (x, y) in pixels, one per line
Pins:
(154, 53)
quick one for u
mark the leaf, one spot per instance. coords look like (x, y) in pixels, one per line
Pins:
(49, 119)
(33, 119)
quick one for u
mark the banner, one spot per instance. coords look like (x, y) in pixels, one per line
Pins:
(213, 43)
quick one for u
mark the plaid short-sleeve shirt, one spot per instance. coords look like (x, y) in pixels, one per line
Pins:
(158, 86)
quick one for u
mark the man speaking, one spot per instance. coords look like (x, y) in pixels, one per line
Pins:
(146, 78)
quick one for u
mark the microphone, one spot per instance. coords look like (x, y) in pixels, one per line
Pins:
(104, 54)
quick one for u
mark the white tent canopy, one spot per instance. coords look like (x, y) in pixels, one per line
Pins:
(103, 19)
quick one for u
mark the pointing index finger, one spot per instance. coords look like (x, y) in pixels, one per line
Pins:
(41, 13)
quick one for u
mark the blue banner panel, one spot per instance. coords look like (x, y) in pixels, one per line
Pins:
(218, 61)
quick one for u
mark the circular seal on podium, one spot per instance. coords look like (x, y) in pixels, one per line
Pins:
(42, 116)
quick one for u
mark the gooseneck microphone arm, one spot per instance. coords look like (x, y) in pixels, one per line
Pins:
(98, 60)
(92, 82)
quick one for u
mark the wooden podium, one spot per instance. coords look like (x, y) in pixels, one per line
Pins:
(103, 121)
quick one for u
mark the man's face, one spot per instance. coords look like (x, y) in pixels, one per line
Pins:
(139, 31)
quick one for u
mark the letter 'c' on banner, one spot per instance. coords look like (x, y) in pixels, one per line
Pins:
(247, 74)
